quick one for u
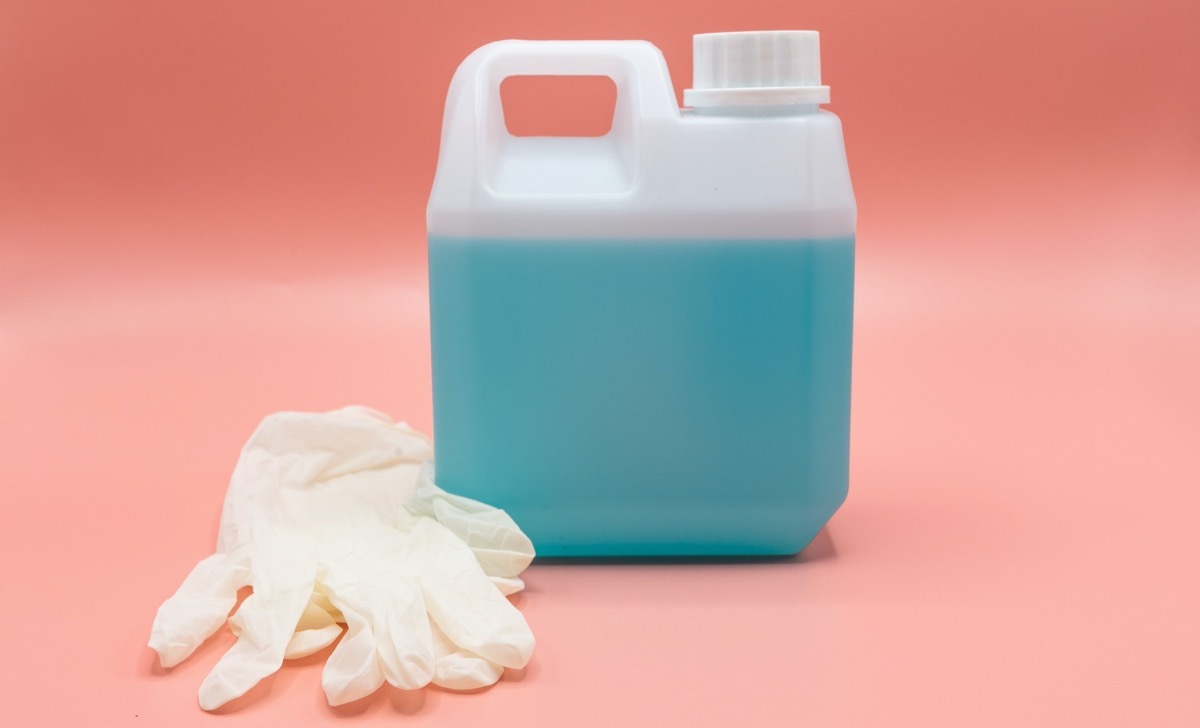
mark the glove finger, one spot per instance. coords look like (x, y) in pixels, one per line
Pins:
(500, 546)
(458, 669)
(265, 623)
(394, 608)
(316, 630)
(463, 602)
(198, 608)
(406, 647)
(507, 586)
(353, 670)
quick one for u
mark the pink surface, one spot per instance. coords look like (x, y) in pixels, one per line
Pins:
(209, 213)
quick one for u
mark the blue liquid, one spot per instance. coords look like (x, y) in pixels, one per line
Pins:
(637, 398)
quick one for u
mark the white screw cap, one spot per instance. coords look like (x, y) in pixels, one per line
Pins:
(768, 68)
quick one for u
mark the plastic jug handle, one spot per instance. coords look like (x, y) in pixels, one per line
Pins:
(474, 120)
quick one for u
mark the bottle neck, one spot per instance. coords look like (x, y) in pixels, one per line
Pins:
(757, 110)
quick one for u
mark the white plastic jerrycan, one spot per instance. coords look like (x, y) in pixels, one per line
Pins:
(641, 341)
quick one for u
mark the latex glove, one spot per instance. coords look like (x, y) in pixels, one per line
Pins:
(335, 518)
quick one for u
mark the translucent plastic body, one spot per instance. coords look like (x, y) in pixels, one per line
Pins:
(633, 397)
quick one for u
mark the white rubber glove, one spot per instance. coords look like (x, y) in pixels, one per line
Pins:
(335, 518)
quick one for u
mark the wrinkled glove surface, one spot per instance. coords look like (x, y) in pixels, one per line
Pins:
(335, 518)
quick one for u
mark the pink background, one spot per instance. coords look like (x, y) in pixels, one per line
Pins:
(211, 211)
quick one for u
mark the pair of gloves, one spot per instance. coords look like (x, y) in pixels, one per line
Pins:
(335, 519)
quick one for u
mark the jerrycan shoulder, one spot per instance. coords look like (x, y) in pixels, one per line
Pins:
(731, 166)
(641, 341)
